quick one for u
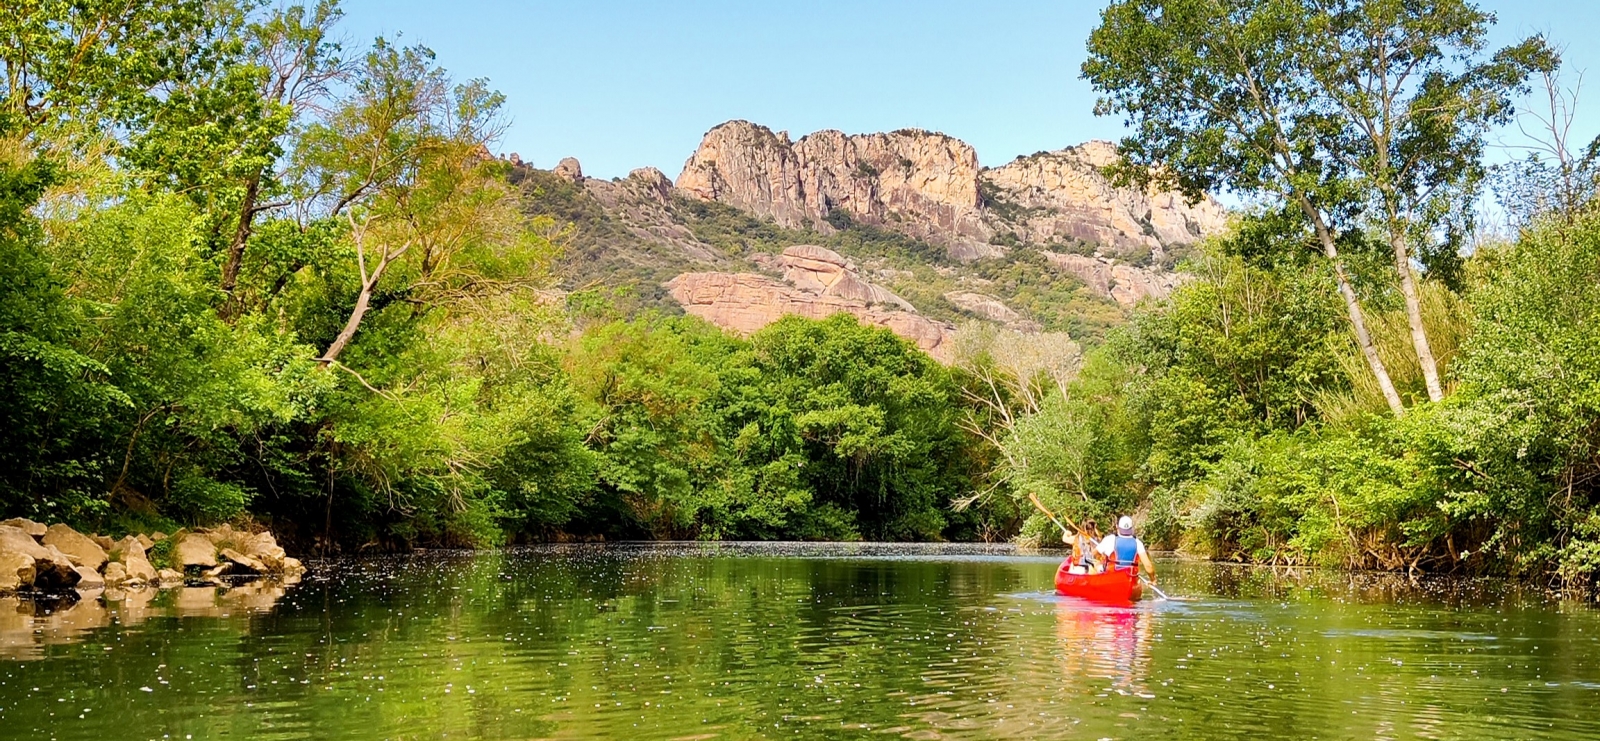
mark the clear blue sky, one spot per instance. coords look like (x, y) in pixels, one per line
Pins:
(621, 84)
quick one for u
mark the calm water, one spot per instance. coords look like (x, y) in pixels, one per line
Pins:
(758, 642)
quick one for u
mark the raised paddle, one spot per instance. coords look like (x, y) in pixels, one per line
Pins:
(1047, 513)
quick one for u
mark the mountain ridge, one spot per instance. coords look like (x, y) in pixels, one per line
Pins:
(1044, 243)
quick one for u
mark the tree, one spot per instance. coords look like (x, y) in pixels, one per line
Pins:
(220, 134)
(87, 65)
(404, 162)
(1359, 114)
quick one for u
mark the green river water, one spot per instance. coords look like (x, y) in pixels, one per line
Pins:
(732, 641)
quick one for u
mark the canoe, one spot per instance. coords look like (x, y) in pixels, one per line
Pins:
(1116, 585)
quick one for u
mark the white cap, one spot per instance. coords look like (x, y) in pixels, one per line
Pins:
(1125, 525)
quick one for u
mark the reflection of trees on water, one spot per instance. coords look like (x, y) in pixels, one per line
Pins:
(29, 624)
(1104, 643)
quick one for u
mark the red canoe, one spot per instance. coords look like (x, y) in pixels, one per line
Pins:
(1116, 585)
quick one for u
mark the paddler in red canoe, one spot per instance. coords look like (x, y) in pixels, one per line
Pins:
(1083, 549)
(1123, 550)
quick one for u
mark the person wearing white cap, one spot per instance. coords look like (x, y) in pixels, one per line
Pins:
(1126, 551)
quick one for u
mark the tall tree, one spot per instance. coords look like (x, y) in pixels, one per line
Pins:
(404, 161)
(220, 134)
(1359, 114)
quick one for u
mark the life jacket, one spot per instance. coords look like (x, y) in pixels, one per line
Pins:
(1126, 551)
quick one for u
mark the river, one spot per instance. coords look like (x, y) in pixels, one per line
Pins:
(741, 641)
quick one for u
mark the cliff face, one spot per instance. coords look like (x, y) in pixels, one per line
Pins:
(930, 186)
(817, 283)
(920, 183)
(1063, 196)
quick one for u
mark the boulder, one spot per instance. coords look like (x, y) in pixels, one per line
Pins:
(139, 569)
(28, 526)
(146, 541)
(223, 535)
(16, 540)
(89, 578)
(236, 562)
(569, 169)
(166, 577)
(157, 537)
(194, 550)
(292, 567)
(131, 554)
(79, 547)
(16, 571)
(129, 546)
(264, 548)
(105, 542)
(54, 572)
(115, 574)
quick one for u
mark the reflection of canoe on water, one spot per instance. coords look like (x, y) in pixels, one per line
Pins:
(1116, 585)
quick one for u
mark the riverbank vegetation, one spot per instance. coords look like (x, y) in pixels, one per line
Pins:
(1345, 381)
(247, 272)
(250, 272)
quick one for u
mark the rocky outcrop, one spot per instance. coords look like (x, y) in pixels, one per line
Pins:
(1065, 196)
(817, 283)
(922, 183)
(930, 186)
(640, 204)
(992, 309)
(1126, 284)
(569, 168)
(824, 272)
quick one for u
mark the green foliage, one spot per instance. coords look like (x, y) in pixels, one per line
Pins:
(810, 430)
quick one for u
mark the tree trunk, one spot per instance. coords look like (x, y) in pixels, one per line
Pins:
(1419, 332)
(363, 299)
(247, 213)
(1352, 304)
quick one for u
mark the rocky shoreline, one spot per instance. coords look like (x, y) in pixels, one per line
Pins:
(57, 559)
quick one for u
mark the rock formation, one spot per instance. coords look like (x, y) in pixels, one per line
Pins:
(1064, 196)
(930, 186)
(570, 169)
(1126, 284)
(817, 283)
(992, 309)
(922, 183)
(700, 242)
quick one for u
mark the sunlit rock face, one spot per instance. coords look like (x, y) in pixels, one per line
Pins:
(921, 183)
(1066, 196)
(817, 283)
(930, 186)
